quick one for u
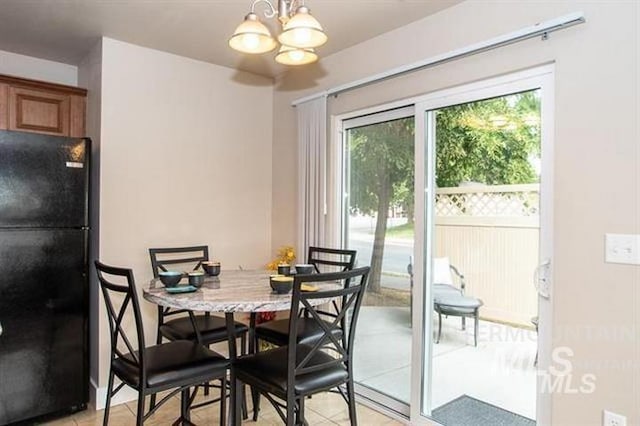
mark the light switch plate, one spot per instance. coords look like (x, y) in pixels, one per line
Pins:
(622, 248)
(613, 419)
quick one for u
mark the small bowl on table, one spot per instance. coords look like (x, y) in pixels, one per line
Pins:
(304, 269)
(281, 284)
(211, 268)
(284, 269)
(196, 278)
(170, 278)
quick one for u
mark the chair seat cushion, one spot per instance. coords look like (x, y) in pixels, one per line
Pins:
(173, 363)
(268, 371)
(277, 331)
(212, 329)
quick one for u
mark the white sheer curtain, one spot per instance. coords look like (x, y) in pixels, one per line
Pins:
(312, 174)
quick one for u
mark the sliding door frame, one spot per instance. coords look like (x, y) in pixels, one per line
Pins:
(540, 77)
(537, 78)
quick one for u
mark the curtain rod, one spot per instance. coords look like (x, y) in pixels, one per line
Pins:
(542, 29)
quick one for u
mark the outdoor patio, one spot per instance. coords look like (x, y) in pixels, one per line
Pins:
(499, 371)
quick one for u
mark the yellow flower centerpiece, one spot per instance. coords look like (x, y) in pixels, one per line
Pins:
(285, 256)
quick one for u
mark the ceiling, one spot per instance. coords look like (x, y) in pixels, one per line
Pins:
(65, 30)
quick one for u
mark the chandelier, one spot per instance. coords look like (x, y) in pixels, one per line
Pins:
(301, 33)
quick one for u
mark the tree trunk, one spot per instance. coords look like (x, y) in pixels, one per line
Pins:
(410, 212)
(384, 197)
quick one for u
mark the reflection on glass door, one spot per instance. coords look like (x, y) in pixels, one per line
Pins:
(378, 223)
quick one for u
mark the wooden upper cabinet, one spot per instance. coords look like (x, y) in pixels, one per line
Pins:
(33, 106)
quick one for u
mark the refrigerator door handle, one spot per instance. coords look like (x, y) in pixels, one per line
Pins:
(0, 329)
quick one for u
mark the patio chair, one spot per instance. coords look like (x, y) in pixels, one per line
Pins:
(449, 299)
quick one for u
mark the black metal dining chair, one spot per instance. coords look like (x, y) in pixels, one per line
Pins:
(178, 365)
(173, 324)
(288, 374)
(326, 259)
(276, 332)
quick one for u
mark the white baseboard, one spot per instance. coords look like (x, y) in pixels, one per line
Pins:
(99, 396)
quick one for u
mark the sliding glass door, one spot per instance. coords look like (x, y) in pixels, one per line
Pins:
(477, 160)
(378, 222)
(483, 225)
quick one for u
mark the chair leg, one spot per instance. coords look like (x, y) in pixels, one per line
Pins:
(140, 411)
(291, 412)
(184, 406)
(243, 351)
(255, 395)
(105, 420)
(223, 400)
(152, 400)
(300, 413)
(351, 394)
(475, 328)
(439, 326)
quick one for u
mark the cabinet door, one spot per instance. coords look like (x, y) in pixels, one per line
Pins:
(4, 106)
(38, 111)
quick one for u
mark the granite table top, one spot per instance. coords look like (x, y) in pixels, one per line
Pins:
(231, 291)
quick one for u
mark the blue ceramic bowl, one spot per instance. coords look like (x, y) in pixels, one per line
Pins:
(211, 268)
(170, 278)
(304, 269)
(281, 284)
(196, 279)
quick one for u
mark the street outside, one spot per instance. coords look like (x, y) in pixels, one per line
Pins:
(397, 251)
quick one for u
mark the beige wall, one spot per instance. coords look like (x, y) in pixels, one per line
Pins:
(90, 77)
(597, 161)
(185, 159)
(37, 69)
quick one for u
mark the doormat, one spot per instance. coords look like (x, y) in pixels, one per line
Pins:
(468, 411)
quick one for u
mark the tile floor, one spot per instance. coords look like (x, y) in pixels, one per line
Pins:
(323, 409)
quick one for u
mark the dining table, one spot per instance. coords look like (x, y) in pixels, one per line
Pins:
(231, 292)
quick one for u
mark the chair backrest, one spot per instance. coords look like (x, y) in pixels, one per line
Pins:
(121, 300)
(350, 287)
(442, 270)
(331, 260)
(163, 258)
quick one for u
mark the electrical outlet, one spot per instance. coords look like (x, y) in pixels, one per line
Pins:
(612, 419)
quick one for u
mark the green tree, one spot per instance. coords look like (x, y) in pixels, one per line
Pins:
(382, 163)
(490, 141)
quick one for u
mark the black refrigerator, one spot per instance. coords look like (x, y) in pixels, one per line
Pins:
(44, 294)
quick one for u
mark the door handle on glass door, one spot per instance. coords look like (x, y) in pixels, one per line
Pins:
(542, 280)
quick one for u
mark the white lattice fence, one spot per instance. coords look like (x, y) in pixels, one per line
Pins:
(491, 234)
(488, 201)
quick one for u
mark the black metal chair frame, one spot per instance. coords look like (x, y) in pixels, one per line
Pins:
(137, 357)
(158, 265)
(289, 404)
(316, 256)
(317, 261)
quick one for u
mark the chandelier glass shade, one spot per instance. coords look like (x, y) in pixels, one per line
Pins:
(288, 55)
(252, 36)
(301, 33)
